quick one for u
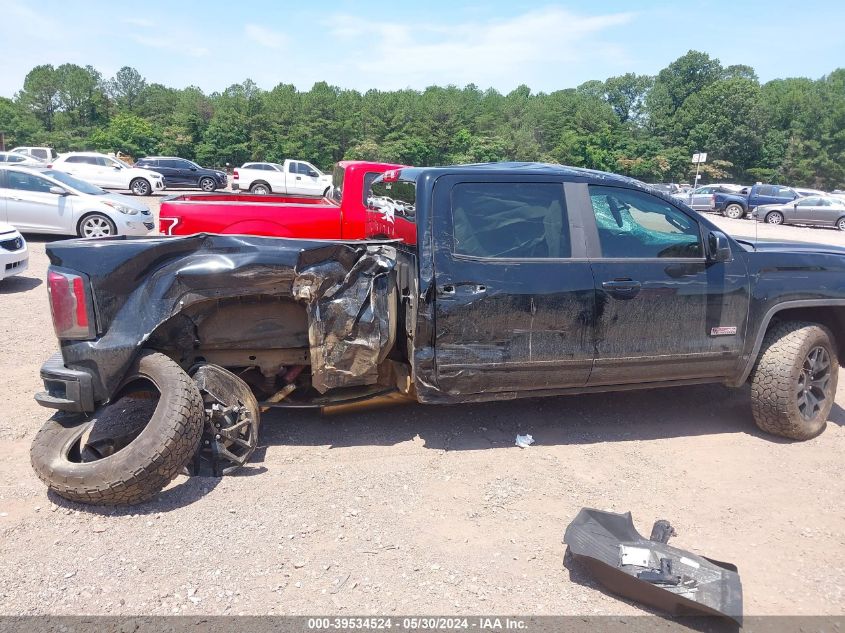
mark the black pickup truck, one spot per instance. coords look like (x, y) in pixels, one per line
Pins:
(527, 280)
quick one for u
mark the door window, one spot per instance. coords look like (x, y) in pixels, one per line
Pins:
(510, 220)
(28, 182)
(637, 225)
(810, 202)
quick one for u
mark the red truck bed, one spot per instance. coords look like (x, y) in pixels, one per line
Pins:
(341, 215)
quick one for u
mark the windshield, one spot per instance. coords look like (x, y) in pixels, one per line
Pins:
(80, 185)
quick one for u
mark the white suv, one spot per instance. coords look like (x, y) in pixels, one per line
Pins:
(109, 172)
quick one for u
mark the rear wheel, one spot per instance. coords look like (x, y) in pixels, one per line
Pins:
(794, 382)
(207, 184)
(130, 449)
(260, 188)
(775, 217)
(326, 192)
(840, 224)
(96, 225)
(140, 187)
(734, 211)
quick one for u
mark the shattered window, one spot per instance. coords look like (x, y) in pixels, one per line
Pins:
(393, 198)
(510, 220)
(635, 224)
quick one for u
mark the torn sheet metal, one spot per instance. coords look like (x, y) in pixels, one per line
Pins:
(654, 573)
(351, 315)
(139, 284)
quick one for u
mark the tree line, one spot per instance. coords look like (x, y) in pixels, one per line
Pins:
(788, 131)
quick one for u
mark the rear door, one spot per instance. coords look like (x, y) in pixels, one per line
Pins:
(663, 312)
(514, 292)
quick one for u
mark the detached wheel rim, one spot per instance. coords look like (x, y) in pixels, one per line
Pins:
(140, 188)
(814, 383)
(96, 226)
(207, 184)
(774, 218)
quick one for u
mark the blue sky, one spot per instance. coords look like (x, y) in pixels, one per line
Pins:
(389, 45)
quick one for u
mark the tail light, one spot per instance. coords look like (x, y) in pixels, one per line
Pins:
(70, 305)
(166, 225)
(235, 174)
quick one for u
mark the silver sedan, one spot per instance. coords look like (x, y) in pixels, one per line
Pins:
(812, 210)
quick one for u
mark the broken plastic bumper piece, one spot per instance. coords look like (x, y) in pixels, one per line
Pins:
(648, 570)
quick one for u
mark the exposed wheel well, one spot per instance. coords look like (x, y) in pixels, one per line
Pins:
(833, 317)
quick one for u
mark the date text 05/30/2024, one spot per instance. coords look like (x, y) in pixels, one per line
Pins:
(480, 623)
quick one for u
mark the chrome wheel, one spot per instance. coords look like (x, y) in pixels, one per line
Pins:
(734, 211)
(841, 224)
(96, 226)
(140, 187)
(261, 190)
(814, 383)
(774, 218)
(207, 185)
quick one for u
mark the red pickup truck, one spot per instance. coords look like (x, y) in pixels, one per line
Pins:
(343, 214)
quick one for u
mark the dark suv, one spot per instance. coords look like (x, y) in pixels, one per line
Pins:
(180, 172)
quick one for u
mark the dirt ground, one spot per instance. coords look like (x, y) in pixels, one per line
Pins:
(424, 510)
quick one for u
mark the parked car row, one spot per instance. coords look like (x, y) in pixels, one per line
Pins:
(773, 204)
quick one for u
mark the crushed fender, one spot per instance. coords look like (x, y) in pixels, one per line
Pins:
(649, 571)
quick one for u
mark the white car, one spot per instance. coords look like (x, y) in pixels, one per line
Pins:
(42, 200)
(294, 177)
(109, 172)
(44, 154)
(20, 159)
(14, 256)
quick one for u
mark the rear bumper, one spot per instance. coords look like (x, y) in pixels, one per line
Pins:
(65, 389)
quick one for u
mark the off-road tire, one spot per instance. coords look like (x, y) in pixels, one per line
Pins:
(775, 379)
(135, 474)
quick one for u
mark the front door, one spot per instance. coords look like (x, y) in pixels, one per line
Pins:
(514, 292)
(663, 311)
(30, 206)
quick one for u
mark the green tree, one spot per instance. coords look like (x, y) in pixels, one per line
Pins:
(128, 134)
(126, 88)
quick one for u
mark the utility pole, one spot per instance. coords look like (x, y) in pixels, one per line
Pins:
(2, 141)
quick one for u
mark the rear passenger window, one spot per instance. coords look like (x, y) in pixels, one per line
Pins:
(637, 225)
(510, 220)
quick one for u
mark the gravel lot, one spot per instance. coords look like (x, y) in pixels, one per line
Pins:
(425, 510)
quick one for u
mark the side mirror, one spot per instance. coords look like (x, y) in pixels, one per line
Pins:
(719, 248)
(59, 191)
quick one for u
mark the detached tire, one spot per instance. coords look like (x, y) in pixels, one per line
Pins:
(794, 381)
(136, 471)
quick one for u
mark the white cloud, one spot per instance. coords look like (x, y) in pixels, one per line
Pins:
(264, 36)
(495, 52)
(172, 43)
